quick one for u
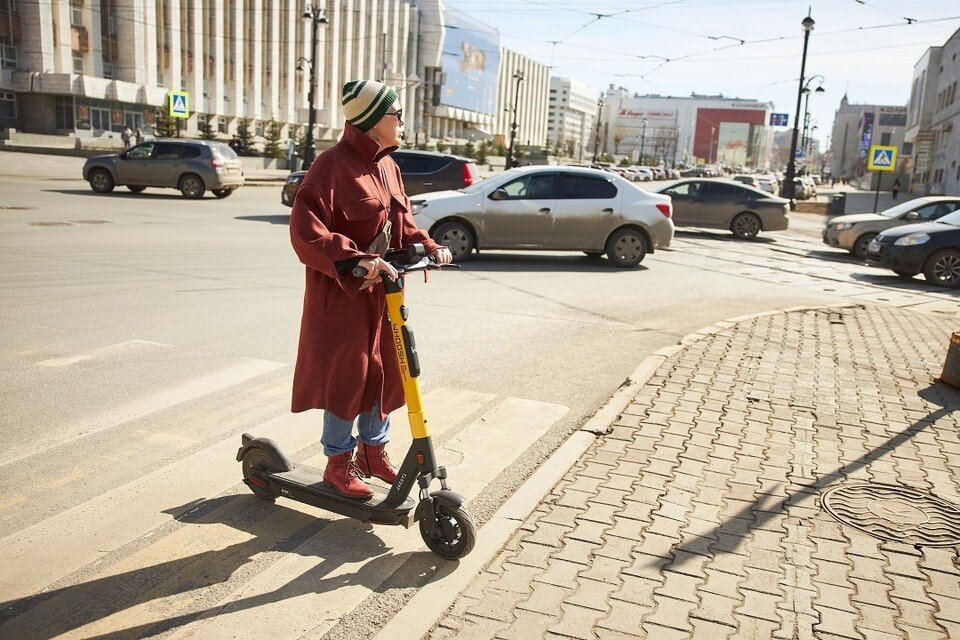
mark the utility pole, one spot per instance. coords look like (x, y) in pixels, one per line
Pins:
(643, 141)
(513, 125)
(596, 139)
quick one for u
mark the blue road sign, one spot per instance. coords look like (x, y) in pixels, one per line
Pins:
(800, 153)
(779, 119)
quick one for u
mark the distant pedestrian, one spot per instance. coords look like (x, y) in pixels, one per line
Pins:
(139, 135)
(125, 137)
(896, 188)
(235, 144)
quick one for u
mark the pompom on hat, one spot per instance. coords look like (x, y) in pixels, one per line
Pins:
(366, 101)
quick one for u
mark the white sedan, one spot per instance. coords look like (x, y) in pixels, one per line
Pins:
(554, 208)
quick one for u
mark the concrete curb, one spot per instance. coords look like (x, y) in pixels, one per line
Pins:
(421, 613)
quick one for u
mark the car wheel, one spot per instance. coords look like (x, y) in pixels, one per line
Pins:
(101, 181)
(626, 248)
(943, 268)
(745, 226)
(222, 193)
(135, 188)
(860, 246)
(191, 186)
(457, 237)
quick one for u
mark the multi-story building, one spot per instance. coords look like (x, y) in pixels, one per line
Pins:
(91, 67)
(695, 130)
(856, 127)
(933, 120)
(572, 112)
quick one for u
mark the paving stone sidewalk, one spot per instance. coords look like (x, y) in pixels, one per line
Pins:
(700, 514)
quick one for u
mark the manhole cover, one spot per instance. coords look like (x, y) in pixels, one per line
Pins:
(891, 512)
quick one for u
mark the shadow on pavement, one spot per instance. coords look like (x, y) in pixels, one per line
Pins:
(272, 527)
(123, 193)
(534, 261)
(272, 219)
(728, 536)
(721, 236)
(916, 284)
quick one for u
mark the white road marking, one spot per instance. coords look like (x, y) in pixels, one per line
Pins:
(227, 377)
(111, 351)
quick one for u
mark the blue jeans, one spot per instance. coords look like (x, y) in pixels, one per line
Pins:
(338, 437)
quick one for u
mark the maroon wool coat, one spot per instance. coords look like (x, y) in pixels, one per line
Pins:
(346, 359)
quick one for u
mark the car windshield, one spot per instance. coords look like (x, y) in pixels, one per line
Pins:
(951, 218)
(483, 184)
(900, 209)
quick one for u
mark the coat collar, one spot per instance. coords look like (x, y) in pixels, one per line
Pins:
(363, 145)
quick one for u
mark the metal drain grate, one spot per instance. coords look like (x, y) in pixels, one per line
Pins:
(892, 512)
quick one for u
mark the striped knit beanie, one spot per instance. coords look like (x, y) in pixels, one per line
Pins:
(365, 102)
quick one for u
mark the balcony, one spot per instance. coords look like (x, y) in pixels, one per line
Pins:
(79, 39)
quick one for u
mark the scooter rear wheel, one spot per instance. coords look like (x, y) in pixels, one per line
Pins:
(259, 459)
(453, 534)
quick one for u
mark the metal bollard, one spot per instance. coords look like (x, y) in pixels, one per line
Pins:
(951, 366)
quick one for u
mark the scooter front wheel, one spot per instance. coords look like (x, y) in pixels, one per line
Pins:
(452, 534)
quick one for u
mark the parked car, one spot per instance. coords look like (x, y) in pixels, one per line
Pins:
(422, 171)
(750, 181)
(854, 232)
(553, 208)
(932, 248)
(768, 183)
(725, 204)
(192, 166)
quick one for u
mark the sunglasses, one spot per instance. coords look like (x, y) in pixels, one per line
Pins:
(398, 114)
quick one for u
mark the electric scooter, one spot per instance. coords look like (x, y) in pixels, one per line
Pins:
(445, 525)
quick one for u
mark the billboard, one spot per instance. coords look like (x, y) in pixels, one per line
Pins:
(470, 61)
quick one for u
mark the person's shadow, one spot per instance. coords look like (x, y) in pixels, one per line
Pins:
(271, 527)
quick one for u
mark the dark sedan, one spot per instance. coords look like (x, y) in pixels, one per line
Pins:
(422, 172)
(725, 204)
(932, 248)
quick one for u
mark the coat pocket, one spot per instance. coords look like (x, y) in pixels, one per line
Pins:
(363, 209)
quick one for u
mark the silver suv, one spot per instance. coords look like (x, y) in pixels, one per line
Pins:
(192, 166)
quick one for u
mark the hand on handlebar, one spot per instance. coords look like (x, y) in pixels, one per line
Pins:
(442, 256)
(374, 267)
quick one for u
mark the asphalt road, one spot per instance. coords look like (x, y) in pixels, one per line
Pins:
(142, 334)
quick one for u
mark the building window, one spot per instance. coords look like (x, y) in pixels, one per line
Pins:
(77, 63)
(11, 7)
(8, 54)
(64, 112)
(76, 14)
(8, 105)
(222, 124)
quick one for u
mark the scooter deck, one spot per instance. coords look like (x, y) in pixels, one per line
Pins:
(305, 484)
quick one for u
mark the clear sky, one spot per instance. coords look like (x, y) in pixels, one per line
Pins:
(740, 48)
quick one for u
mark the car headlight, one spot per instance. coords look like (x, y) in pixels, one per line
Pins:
(294, 179)
(842, 226)
(912, 240)
(418, 206)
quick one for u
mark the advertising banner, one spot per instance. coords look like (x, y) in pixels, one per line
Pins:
(470, 62)
(867, 128)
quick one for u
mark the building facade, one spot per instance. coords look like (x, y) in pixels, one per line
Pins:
(933, 121)
(700, 129)
(856, 127)
(572, 112)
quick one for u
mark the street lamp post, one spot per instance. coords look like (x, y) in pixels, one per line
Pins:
(643, 140)
(789, 190)
(596, 138)
(518, 76)
(806, 110)
(316, 17)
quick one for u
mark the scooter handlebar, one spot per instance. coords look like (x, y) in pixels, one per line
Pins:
(412, 258)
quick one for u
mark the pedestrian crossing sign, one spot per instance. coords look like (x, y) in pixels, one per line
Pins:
(180, 104)
(882, 158)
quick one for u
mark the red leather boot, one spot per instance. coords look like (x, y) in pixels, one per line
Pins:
(343, 475)
(373, 461)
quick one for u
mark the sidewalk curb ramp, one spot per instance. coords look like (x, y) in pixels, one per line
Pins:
(420, 614)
